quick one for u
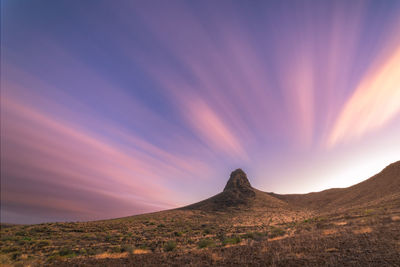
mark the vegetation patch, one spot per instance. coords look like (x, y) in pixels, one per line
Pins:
(204, 243)
(231, 240)
(169, 246)
(276, 231)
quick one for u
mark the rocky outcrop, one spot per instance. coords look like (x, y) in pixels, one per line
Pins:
(237, 193)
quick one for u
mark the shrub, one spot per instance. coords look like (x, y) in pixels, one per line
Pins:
(178, 233)
(221, 236)
(53, 258)
(249, 235)
(127, 248)
(15, 255)
(43, 243)
(169, 246)
(231, 240)
(65, 252)
(206, 231)
(20, 233)
(116, 249)
(255, 235)
(92, 251)
(206, 243)
(40, 229)
(107, 238)
(275, 231)
(21, 242)
(368, 211)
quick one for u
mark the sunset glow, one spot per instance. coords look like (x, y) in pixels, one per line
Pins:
(110, 110)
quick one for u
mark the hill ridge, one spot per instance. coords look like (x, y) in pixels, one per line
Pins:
(239, 194)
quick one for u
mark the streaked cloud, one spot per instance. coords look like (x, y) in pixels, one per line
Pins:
(113, 110)
(213, 130)
(40, 149)
(375, 102)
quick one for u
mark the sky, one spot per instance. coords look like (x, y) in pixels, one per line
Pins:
(116, 108)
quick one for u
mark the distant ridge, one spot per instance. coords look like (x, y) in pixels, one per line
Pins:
(384, 185)
(239, 194)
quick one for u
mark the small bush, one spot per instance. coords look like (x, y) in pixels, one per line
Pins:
(40, 229)
(178, 233)
(231, 240)
(15, 255)
(368, 211)
(206, 243)
(53, 258)
(207, 231)
(86, 236)
(116, 250)
(169, 246)
(255, 236)
(92, 251)
(20, 233)
(107, 238)
(22, 242)
(127, 248)
(221, 236)
(249, 235)
(65, 252)
(43, 243)
(275, 232)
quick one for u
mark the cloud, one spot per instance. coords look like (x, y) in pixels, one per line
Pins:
(76, 171)
(375, 102)
(212, 129)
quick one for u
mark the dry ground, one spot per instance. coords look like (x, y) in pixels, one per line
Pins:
(364, 236)
(357, 226)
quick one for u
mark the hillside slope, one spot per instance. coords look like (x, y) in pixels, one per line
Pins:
(355, 226)
(238, 194)
(382, 186)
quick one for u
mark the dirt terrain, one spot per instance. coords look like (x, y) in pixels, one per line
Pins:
(357, 226)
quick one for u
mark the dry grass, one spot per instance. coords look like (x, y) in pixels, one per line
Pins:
(363, 230)
(141, 239)
(329, 231)
(107, 255)
(140, 251)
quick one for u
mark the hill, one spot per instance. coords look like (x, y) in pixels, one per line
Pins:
(383, 186)
(238, 194)
(358, 225)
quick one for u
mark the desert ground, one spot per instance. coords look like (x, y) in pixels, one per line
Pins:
(354, 226)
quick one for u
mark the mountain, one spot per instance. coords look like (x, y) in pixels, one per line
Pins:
(238, 194)
(382, 186)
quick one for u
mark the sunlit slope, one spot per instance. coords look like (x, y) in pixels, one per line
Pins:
(384, 186)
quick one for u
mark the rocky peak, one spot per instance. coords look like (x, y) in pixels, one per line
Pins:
(237, 193)
(238, 182)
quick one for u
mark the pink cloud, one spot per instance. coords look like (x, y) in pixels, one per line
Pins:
(48, 150)
(375, 101)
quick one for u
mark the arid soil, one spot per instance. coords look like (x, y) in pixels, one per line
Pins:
(355, 226)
